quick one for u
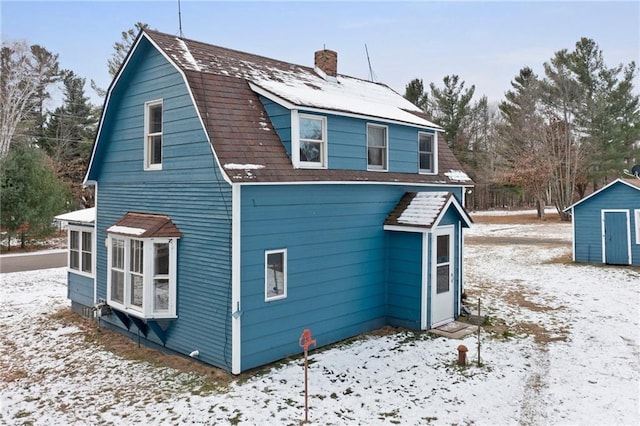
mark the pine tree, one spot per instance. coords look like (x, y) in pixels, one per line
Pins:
(414, 93)
(449, 106)
(30, 193)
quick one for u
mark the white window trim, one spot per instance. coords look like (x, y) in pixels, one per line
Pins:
(147, 148)
(147, 304)
(79, 271)
(636, 215)
(434, 139)
(295, 142)
(385, 167)
(266, 275)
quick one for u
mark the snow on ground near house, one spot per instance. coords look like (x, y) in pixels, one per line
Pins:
(579, 363)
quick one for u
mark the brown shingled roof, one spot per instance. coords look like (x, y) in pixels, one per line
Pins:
(154, 225)
(239, 128)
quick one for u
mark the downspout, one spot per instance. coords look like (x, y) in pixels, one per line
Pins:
(94, 243)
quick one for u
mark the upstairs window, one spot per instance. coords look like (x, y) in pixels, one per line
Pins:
(312, 141)
(377, 149)
(81, 250)
(426, 153)
(153, 135)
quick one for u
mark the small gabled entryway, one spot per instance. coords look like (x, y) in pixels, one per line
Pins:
(426, 281)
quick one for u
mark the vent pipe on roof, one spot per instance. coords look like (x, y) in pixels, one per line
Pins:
(327, 61)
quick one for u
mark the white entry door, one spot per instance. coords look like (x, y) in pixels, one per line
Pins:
(442, 290)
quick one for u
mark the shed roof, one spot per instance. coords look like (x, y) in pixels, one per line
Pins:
(145, 225)
(85, 216)
(633, 183)
(225, 85)
(424, 210)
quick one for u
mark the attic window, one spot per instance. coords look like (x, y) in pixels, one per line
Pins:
(153, 135)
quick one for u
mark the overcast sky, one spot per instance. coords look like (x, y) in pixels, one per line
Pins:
(485, 42)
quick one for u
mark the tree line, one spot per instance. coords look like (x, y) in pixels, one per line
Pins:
(551, 139)
(45, 152)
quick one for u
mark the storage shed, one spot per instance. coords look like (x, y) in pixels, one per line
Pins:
(606, 225)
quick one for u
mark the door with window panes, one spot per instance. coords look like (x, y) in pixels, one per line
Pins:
(442, 289)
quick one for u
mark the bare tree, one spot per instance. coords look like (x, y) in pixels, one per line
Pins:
(21, 80)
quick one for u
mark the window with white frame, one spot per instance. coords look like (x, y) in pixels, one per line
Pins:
(637, 215)
(81, 250)
(153, 135)
(426, 152)
(312, 140)
(275, 274)
(377, 149)
(142, 276)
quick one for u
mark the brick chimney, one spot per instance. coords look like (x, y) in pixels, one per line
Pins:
(327, 61)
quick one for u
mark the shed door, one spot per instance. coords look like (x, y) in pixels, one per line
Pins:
(442, 291)
(615, 239)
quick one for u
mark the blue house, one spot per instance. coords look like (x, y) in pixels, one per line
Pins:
(606, 225)
(242, 199)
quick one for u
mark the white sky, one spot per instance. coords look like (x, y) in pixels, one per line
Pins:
(486, 43)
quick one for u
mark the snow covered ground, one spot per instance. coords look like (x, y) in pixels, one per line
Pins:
(562, 347)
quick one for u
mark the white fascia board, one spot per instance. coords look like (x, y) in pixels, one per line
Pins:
(355, 182)
(107, 98)
(452, 200)
(289, 105)
(236, 305)
(599, 191)
(400, 228)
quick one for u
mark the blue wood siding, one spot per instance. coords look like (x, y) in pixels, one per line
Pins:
(189, 188)
(347, 139)
(80, 288)
(404, 254)
(337, 268)
(587, 218)
(281, 120)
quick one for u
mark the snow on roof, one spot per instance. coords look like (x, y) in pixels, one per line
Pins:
(234, 166)
(79, 216)
(346, 94)
(126, 230)
(188, 56)
(457, 176)
(423, 209)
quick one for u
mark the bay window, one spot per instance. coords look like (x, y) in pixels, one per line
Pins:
(142, 276)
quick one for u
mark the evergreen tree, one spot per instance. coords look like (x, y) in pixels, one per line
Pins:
(414, 93)
(525, 157)
(30, 193)
(123, 46)
(70, 132)
(449, 106)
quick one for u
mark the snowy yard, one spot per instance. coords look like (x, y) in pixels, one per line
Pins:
(562, 346)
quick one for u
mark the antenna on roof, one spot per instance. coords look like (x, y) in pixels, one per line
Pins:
(371, 74)
(180, 20)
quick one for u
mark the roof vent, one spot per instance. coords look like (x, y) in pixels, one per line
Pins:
(327, 61)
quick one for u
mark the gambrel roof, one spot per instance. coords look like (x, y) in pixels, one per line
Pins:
(226, 86)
